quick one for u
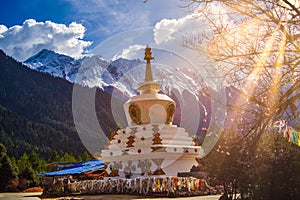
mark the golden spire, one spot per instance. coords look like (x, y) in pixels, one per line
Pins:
(149, 86)
(148, 54)
(148, 57)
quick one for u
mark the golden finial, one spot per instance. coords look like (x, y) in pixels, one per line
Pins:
(148, 54)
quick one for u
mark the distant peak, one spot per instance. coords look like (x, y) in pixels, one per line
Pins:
(122, 60)
(46, 51)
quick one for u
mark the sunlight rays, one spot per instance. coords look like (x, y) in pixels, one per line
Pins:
(266, 70)
(276, 78)
(255, 76)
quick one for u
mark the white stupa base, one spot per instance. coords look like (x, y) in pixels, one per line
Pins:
(150, 149)
(153, 164)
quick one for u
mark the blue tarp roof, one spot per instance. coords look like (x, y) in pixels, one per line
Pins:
(77, 169)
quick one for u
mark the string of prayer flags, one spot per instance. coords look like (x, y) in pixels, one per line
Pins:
(288, 131)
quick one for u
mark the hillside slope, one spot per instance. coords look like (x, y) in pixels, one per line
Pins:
(37, 108)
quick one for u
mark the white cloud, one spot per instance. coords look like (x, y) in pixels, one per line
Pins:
(132, 52)
(174, 34)
(168, 34)
(193, 25)
(168, 30)
(23, 41)
(2, 30)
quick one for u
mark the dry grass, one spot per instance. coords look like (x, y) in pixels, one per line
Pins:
(33, 189)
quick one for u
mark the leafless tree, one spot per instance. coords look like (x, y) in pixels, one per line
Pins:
(257, 50)
(255, 45)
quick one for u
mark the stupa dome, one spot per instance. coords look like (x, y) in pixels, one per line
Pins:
(149, 106)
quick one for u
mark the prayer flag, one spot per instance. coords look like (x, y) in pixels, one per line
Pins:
(298, 138)
(295, 137)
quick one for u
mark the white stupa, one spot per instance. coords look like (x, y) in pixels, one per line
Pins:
(150, 145)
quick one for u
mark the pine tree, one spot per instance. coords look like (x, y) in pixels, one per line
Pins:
(30, 178)
(68, 157)
(54, 157)
(34, 159)
(7, 170)
(86, 156)
(23, 162)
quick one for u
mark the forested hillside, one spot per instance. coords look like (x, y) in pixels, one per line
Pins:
(36, 111)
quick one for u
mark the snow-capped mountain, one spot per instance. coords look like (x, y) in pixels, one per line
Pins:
(88, 71)
(58, 65)
(94, 71)
(121, 78)
(91, 70)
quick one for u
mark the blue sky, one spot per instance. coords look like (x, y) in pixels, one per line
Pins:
(15, 12)
(100, 19)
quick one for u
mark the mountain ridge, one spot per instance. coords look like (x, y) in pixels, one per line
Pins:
(121, 78)
(40, 104)
(94, 71)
